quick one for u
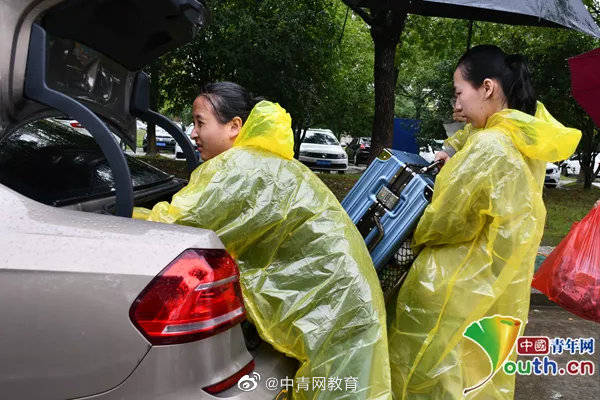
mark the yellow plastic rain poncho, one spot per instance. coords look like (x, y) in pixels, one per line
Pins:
(308, 282)
(458, 140)
(478, 241)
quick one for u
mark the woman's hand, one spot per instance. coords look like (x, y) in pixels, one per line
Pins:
(597, 204)
(441, 155)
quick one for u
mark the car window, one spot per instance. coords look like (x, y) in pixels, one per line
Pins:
(52, 163)
(320, 138)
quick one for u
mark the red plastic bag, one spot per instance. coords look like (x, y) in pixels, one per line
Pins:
(570, 275)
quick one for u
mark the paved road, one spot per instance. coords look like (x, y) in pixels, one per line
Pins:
(553, 321)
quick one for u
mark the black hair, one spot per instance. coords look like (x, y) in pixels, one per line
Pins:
(229, 100)
(488, 61)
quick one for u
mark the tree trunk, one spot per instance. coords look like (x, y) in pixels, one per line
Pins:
(470, 35)
(299, 134)
(154, 93)
(385, 31)
(589, 148)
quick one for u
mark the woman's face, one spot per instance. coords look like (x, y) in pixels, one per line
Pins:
(477, 104)
(211, 136)
(469, 100)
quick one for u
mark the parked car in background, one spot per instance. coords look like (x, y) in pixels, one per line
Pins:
(75, 125)
(570, 166)
(358, 150)
(573, 167)
(140, 125)
(428, 151)
(321, 151)
(552, 175)
(179, 151)
(71, 123)
(164, 141)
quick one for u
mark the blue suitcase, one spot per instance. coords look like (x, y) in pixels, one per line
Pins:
(388, 200)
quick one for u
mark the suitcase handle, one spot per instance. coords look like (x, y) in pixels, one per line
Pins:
(433, 166)
(380, 233)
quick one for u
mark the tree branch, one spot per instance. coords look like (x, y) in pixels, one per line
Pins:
(359, 11)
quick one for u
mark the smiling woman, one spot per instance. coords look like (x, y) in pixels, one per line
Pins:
(219, 112)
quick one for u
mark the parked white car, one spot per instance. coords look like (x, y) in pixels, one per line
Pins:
(141, 125)
(320, 150)
(573, 167)
(178, 149)
(428, 151)
(552, 175)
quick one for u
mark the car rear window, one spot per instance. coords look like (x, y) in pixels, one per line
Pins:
(50, 162)
(320, 138)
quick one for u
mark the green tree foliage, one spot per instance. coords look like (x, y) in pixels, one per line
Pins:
(297, 53)
(349, 100)
(432, 46)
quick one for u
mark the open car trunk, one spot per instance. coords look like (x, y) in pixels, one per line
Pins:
(83, 58)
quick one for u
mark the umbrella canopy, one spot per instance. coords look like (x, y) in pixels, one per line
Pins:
(554, 13)
(585, 82)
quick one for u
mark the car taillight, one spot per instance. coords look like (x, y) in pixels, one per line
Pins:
(197, 295)
(76, 125)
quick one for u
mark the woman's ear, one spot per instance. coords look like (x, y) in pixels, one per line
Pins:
(235, 126)
(489, 88)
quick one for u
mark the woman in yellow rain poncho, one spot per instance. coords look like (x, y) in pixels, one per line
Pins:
(308, 282)
(478, 238)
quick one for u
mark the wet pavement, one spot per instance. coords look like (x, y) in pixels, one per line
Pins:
(553, 321)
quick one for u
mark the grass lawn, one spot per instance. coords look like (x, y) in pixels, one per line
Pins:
(140, 137)
(564, 205)
(340, 185)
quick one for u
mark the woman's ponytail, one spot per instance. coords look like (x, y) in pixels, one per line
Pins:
(229, 100)
(520, 93)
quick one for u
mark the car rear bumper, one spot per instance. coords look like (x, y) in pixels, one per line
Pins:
(182, 371)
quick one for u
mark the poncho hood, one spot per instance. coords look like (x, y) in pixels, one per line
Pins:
(268, 127)
(539, 137)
